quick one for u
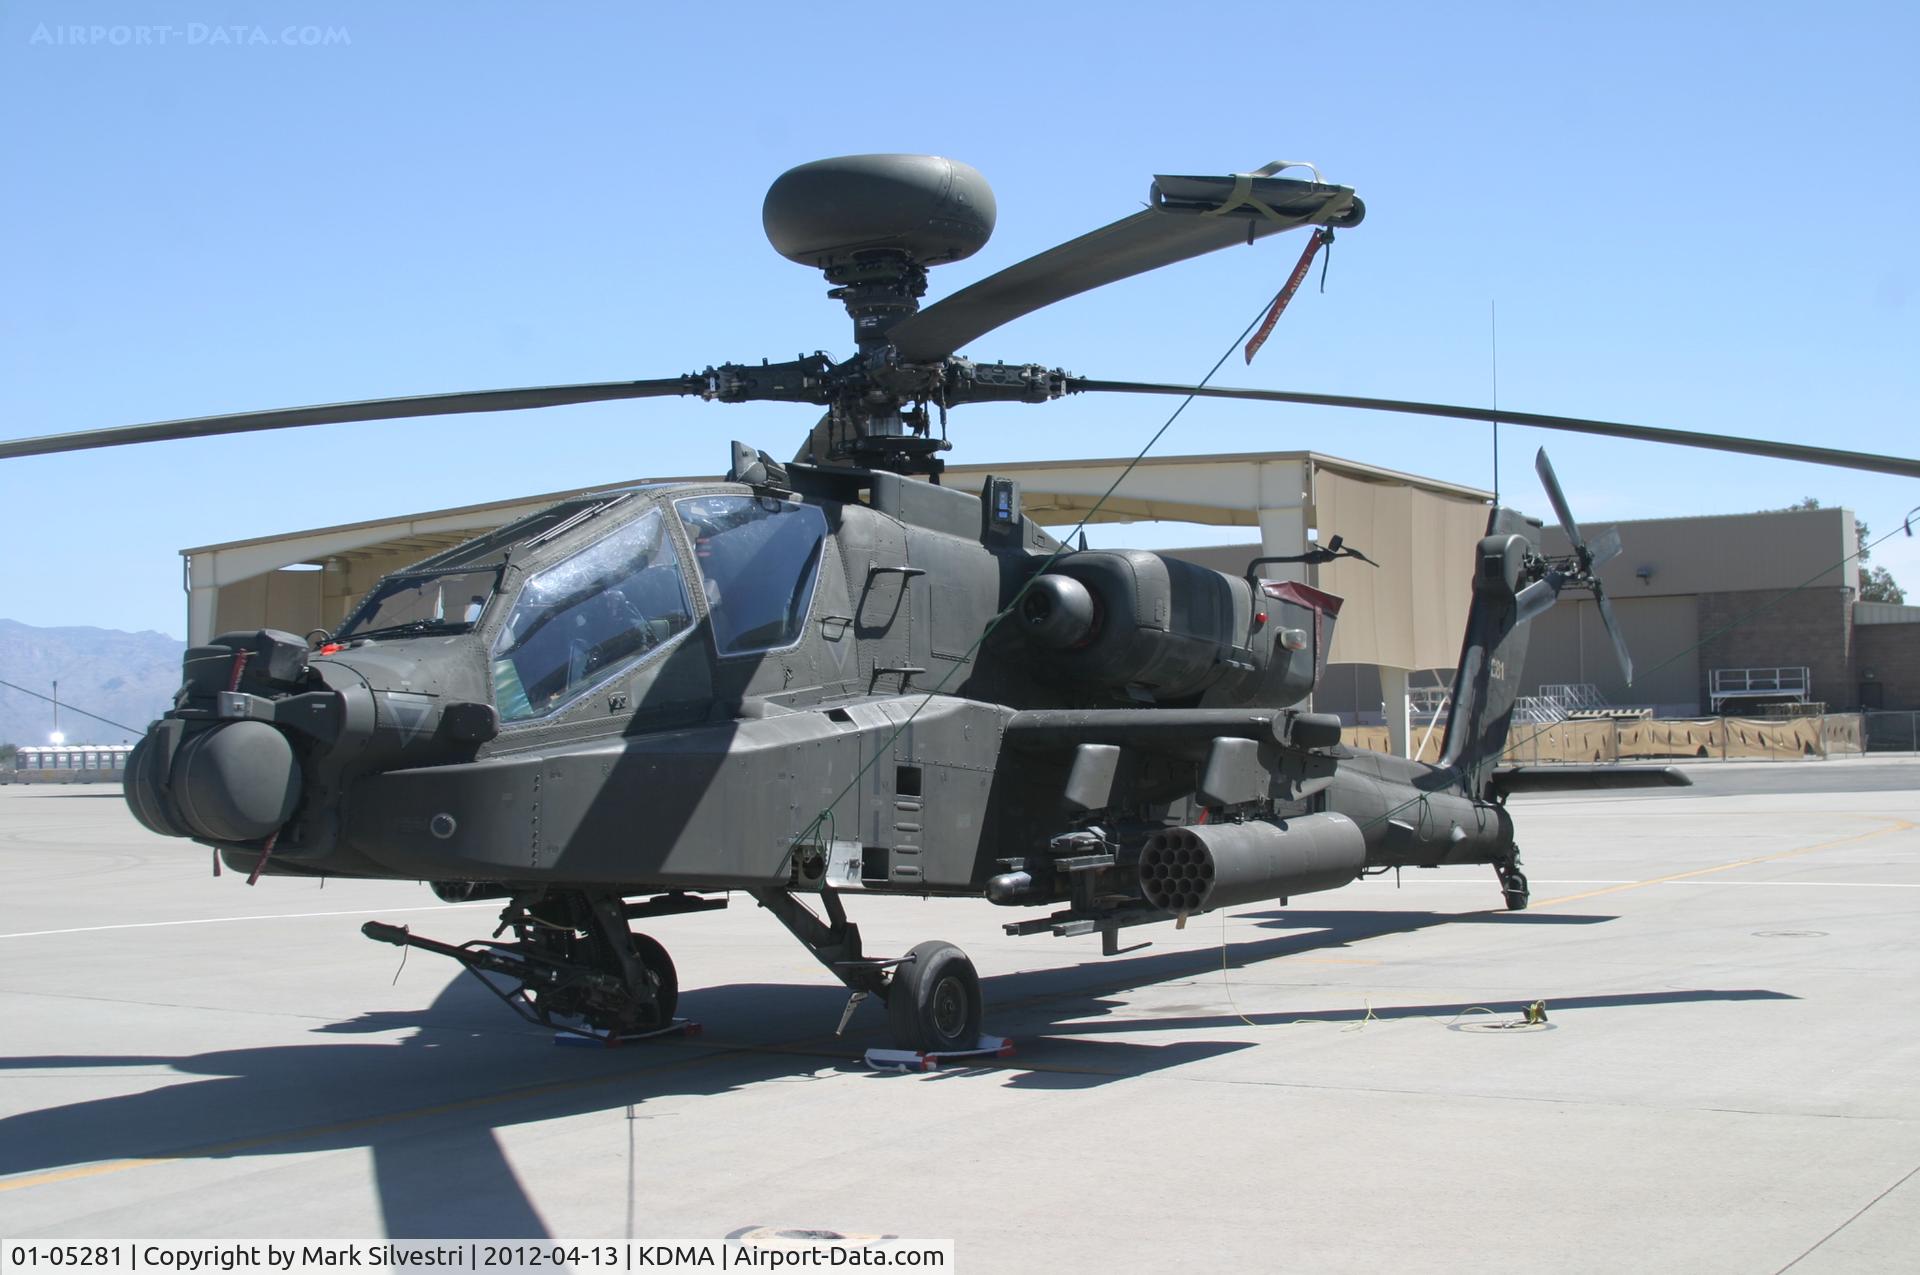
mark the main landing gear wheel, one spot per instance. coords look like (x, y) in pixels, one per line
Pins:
(933, 1002)
(661, 975)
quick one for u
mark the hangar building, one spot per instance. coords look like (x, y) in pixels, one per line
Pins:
(1679, 586)
(1719, 613)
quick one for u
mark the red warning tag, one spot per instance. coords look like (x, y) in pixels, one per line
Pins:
(1321, 237)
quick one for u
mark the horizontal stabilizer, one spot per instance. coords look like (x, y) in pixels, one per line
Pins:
(1512, 779)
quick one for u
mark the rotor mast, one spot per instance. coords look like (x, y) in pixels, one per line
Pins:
(873, 224)
(879, 289)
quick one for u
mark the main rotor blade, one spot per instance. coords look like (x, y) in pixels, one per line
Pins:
(376, 409)
(1544, 467)
(1869, 461)
(1191, 216)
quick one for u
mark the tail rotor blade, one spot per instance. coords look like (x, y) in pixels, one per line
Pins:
(1537, 597)
(1613, 631)
(1605, 547)
(1544, 467)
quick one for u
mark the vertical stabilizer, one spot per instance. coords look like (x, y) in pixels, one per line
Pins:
(1488, 680)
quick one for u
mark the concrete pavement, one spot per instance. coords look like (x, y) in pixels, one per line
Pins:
(1725, 1083)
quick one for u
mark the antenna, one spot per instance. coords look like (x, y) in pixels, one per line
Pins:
(1493, 342)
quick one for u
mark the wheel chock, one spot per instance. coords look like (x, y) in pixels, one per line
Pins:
(592, 1038)
(908, 1060)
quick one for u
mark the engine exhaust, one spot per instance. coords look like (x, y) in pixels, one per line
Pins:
(1205, 866)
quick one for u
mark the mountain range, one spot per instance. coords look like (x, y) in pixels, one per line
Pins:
(128, 678)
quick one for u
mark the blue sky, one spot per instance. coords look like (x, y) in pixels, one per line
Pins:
(1695, 216)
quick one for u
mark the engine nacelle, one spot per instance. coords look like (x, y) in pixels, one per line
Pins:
(1135, 625)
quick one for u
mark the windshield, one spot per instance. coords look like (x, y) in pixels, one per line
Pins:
(758, 559)
(580, 619)
(441, 602)
(447, 592)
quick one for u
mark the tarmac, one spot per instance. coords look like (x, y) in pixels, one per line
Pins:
(1725, 1080)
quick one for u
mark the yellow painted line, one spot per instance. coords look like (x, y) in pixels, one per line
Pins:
(1325, 960)
(567, 1086)
(817, 1048)
(1898, 825)
(84, 1171)
(241, 1145)
(264, 916)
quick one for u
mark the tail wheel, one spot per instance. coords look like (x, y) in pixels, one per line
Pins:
(933, 1002)
(1513, 884)
(660, 976)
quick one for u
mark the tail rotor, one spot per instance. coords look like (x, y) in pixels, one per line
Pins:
(1579, 571)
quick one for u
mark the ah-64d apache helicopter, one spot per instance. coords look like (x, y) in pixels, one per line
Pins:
(833, 676)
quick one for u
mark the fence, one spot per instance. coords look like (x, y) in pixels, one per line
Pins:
(1758, 683)
(1893, 732)
(1724, 738)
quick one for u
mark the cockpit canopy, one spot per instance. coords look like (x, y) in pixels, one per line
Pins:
(758, 558)
(588, 614)
(448, 592)
(605, 604)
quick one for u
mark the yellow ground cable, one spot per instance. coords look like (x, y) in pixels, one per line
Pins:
(1368, 1016)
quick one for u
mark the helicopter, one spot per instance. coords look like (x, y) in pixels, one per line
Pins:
(836, 676)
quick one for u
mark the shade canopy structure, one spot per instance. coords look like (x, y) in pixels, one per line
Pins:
(1405, 614)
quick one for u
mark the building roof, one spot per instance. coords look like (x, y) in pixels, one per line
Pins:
(463, 517)
(1319, 460)
(1725, 553)
(1406, 615)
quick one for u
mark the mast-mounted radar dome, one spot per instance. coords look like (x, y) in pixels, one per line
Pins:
(925, 208)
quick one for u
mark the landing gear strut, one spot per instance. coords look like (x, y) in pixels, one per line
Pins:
(932, 993)
(1513, 882)
(575, 962)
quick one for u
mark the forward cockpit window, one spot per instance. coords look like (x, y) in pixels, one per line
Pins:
(758, 560)
(579, 620)
(418, 602)
(448, 592)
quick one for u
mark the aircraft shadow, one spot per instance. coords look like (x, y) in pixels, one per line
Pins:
(1443, 1011)
(1322, 931)
(115, 794)
(428, 1107)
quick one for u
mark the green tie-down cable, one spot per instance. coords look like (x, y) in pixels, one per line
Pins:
(808, 835)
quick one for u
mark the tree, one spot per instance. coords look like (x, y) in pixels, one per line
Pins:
(1876, 583)
(7, 752)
